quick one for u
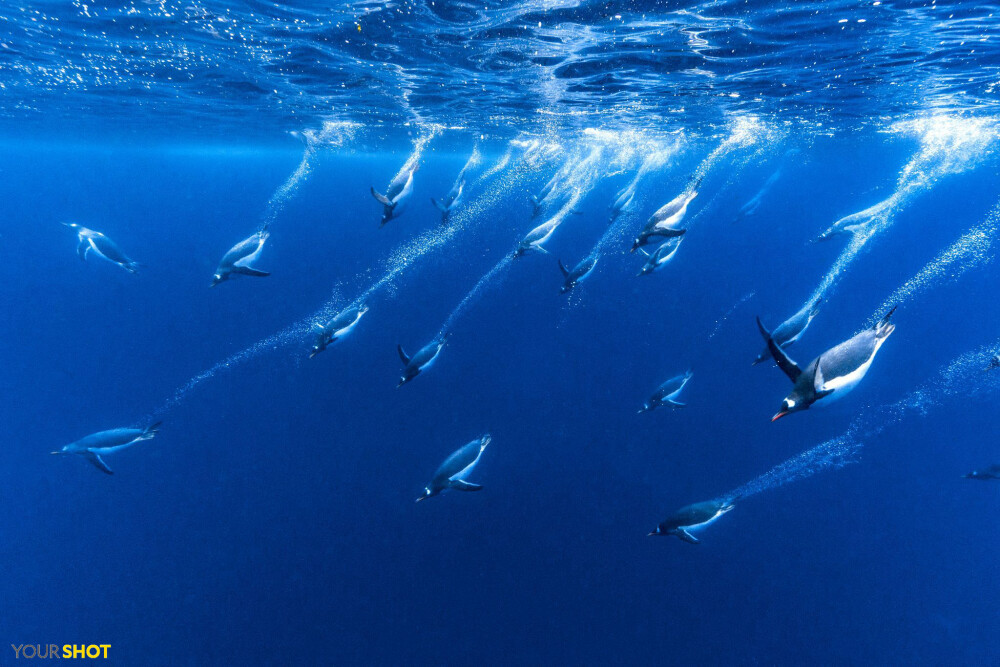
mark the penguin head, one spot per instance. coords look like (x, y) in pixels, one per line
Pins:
(792, 403)
(427, 494)
(655, 532)
(218, 278)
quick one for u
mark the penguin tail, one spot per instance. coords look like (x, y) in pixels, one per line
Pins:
(884, 326)
(151, 431)
(382, 199)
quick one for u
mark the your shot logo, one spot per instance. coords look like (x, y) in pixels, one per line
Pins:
(70, 651)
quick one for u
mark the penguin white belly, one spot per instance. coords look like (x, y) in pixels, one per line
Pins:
(340, 333)
(114, 448)
(252, 257)
(841, 386)
(97, 251)
(467, 470)
(698, 527)
(430, 362)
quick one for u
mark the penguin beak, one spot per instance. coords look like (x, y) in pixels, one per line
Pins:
(779, 415)
(653, 533)
(420, 498)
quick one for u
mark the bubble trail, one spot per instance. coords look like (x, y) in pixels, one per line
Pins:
(745, 132)
(578, 177)
(331, 134)
(947, 146)
(398, 262)
(718, 323)
(653, 161)
(962, 377)
(968, 252)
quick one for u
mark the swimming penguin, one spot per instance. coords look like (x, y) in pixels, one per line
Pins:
(538, 201)
(342, 324)
(623, 199)
(97, 444)
(421, 361)
(102, 246)
(395, 197)
(578, 274)
(791, 329)
(453, 472)
(692, 518)
(664, 222)
(667, 393)
(663, 254)
(533, 240)
(994, 363)
(833, 373)
(240, 257)
(993, 472)
(853, 223)
(452, 200)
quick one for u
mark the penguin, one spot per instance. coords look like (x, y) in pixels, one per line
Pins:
(395, 197)
(692, 518)
(791, 329)
(663, 254)
(623, 199)
(853, 223)
(538, 201)
(664, 222)
(993, 472)
(667, 393)
(994, 363)
(240, 257)
(421, 361)
(452, 200)
(95, 445)
(833, 373)
(578, 274)
(102, 246)
(533, 240)
(453, 472)
(342, 324)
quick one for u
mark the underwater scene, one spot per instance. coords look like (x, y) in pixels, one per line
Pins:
(416, 332)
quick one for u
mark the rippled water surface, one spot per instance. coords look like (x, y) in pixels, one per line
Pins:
(491, 65)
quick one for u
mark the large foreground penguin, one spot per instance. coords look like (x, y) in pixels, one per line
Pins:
(833, 373)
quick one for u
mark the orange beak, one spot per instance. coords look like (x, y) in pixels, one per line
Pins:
(779, 415)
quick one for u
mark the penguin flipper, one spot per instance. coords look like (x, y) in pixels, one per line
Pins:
(381, 198)
(247, 271)
(462, 485)
(438, 206)
(403, 355)
(686, 536)
(98, 462)
(82, 249)
(676, 404)
(562, 268)
(785, 363)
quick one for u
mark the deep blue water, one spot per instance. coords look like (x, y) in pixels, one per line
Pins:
(272, 521)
